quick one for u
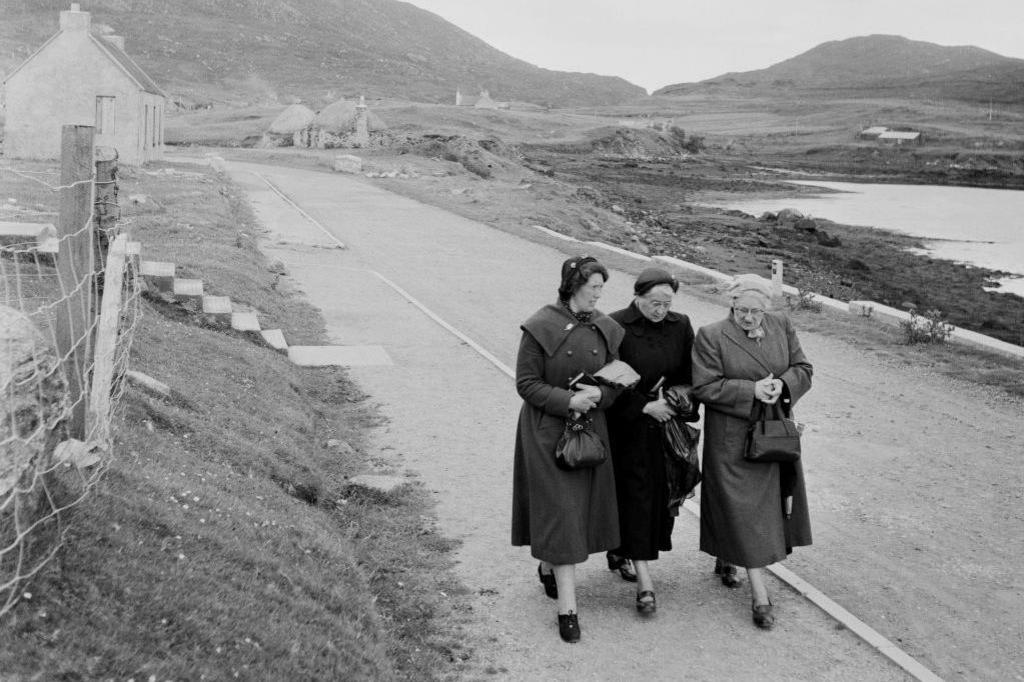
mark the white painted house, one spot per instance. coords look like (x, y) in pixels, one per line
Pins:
(78, 78)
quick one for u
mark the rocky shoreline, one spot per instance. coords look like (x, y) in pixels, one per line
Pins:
(662, 199)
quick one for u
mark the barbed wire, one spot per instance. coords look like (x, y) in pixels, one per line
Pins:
(44, 472)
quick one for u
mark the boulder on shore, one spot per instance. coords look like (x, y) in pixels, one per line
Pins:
(789, 215)
(35, 397)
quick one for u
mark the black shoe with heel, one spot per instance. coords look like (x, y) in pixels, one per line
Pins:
(646, 604)
(763, 615)
(623, 565)
(569, 627)
(728, 573)
(548, 581)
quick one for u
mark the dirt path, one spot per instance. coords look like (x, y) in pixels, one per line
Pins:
(915, 481)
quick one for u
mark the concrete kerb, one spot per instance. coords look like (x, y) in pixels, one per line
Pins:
(870, 309)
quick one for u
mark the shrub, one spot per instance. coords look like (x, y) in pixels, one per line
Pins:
(694, 144)
(926, 328)
(823, 283)
(803, 300)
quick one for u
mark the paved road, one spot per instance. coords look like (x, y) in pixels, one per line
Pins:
(885, 470)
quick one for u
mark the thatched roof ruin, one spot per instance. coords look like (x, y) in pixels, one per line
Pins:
(340, 117)
(293, 119)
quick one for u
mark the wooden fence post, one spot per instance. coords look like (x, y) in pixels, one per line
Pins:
(75, 266)
(106, 345)
(105, 208)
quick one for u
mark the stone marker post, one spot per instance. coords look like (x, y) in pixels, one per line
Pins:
(777, 279)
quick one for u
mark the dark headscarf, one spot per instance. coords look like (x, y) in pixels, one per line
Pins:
(652, 277)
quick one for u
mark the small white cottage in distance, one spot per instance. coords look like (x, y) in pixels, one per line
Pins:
(77, 78)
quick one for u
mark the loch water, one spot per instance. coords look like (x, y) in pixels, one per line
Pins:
(978, 226)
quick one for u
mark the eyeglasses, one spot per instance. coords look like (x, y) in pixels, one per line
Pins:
(749, 311)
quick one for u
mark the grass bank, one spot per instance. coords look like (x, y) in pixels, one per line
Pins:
(225, 541)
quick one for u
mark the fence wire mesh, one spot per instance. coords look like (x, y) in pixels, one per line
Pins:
(43, 471)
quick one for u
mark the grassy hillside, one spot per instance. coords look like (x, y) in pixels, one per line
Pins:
(266, 51)
(879, 66)
(224, 542)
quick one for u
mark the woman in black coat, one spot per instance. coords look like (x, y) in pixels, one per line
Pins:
(657, 344)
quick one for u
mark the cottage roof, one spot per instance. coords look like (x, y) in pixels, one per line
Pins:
(293, 119)
(114, 53)
(874, 130)
(128, 65)
(340, 117)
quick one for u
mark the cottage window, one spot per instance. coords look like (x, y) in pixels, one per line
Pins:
(104, 115)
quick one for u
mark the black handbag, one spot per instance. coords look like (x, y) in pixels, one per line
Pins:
(772, 436)
(579, 446)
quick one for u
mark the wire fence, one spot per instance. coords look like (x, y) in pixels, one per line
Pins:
(66, 328)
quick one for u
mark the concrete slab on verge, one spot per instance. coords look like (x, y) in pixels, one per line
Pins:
(39, 232)
(274, 338)
(188, 288)
(245, 322)
(217, 305)
(342, 356)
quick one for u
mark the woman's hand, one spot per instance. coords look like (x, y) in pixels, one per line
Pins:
(768, 390)
(659, 411)
(585, 399)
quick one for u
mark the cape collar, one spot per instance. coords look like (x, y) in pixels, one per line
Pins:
(552, 325)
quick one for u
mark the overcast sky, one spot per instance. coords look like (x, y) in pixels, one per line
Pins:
(654, 43)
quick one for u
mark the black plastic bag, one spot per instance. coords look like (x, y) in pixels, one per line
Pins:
(679, 439)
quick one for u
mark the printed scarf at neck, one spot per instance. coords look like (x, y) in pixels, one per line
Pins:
(582, 317)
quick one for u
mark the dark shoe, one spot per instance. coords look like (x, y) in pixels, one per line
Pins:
(764, 615)
(548, 581)
(729, 574)
(646, 603)
(623, 565)
(569, 627)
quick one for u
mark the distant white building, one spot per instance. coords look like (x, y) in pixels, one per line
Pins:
(899, 137)
(872, 133)
(77, 78)
(482, 101)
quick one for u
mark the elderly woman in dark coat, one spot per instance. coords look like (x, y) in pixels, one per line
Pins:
(752, 514)
(657, 345)
(564, 516)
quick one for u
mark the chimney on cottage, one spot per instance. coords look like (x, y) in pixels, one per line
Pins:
(116, 41)
(74, 19)
(361, 132)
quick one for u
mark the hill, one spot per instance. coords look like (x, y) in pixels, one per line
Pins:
(879, 66)
(268, 51)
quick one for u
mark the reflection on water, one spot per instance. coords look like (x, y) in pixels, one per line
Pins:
(983, 227)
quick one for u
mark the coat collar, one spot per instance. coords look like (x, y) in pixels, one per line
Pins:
(552, 324)
(738, 336)
(632, 315)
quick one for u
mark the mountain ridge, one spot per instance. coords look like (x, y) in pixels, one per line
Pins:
(250, 51)
(879, 65)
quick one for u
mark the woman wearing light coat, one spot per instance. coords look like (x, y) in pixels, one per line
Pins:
(752, 514)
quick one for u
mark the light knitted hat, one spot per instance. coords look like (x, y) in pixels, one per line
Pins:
(749, 284)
